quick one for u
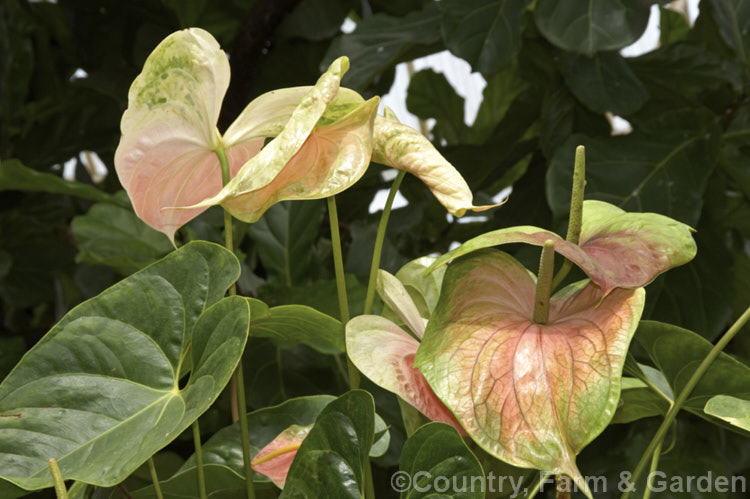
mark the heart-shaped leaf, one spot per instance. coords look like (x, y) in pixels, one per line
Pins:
(332, 460)
(437, 450)
(402, 147)
(385, 353)
(677, 352)
(109, 371)
(530, 394)
(591, 26)
(485, 34)
(616, 249)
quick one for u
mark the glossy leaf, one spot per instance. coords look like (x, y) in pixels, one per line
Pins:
(109, 371)
(603, 82)
(677, 352)
(289, 325)
(166, 154)
(485, 34)
(662, 167)
(274, 459)
(112, 235)
(332, 460)
(14, 176)
(385, 353)
(733, 410)
(404, 148)
(437, 450)
(545, 390)
(616, 249)
(591, 26)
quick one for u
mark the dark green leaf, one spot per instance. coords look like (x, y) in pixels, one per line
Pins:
(289, 325)
(184, 484)
(437, 450)
(644, 398)
(316, 19)
(673, 26)
(112, 235)
(332, 460)
(224, 447)
(430, 95)
(677, 352)
(320, 295)
(108, 372)
(284, 236)
(14, 176)
(592, 26)
(486, 34)
(502, 89)
(660, 168)
(603, 82)
(11, 350)
(733, 20)
(738, 132)
(381, 41)
(681, 74)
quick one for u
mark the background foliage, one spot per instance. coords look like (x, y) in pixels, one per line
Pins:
(554, 75)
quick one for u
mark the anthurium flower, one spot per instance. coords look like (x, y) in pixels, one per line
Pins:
(336, 155)
(404, 148)
(275, 459)
(167, 156)
(530, 394)
(616, 249)
(384, 352)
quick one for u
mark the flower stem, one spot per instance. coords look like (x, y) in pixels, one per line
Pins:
(237, 386)
(654, 464)
(338, 260)
(682, 397)
(154, 478)
(199, 459)
(379, 239)
(575, 219)
(338, 265)
(60, 491)
(544, 283)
